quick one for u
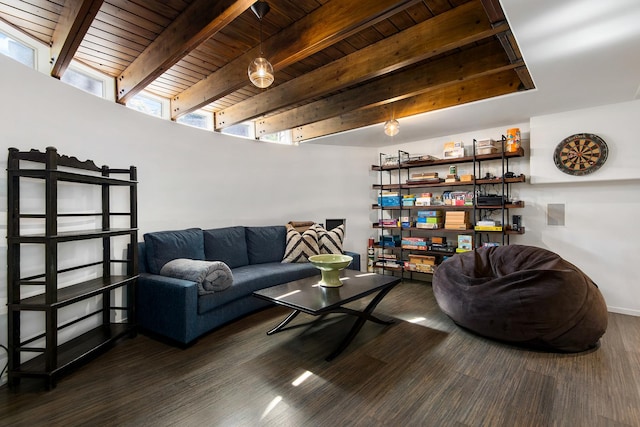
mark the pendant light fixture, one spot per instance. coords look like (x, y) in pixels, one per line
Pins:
(391, 127)
(260, 70)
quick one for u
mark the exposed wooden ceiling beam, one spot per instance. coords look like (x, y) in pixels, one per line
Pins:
(201, 20)
(510, 46)
(478, 88)
(460, 26)
(75, 20)
(334, 21)
(494, 10)
(458, 66)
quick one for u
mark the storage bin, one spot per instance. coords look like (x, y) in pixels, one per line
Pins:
(389, 200)
(486, 150)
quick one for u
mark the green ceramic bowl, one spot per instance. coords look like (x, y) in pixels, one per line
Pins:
(330, 266)
(330, 262)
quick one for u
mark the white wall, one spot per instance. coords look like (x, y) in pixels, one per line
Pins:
(600, 235)
(617, 125)
(187, 177)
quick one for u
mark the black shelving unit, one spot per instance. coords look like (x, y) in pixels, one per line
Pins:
(391, 179)
(504, 183)
(386, 183)
(42, 356)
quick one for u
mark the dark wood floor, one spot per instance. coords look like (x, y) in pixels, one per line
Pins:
(420, 371)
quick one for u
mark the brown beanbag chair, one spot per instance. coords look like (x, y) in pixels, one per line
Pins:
(523, 295)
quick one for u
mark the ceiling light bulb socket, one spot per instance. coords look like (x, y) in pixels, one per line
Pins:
(260, 9)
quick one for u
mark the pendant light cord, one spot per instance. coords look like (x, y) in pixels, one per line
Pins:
(261, 53)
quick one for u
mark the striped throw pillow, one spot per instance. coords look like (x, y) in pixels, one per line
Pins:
(299, 247)
(330, 242)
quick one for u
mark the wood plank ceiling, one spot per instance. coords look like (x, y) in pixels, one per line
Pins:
(339, 64)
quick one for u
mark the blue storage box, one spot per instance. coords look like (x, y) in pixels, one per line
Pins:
(425, 214)
(390, 241)
(389, 200)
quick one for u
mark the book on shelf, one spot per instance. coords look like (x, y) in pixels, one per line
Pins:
(488, 228)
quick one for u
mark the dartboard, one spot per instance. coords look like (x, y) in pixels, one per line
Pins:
(580, 154)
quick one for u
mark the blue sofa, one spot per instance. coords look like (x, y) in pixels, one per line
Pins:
(172, 308)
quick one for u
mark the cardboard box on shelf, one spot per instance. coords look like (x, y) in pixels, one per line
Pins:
(486, 143)
(465, 226)
(456, 217)
(429, 225)
(429, 213)
(465, 242)
(453, 153)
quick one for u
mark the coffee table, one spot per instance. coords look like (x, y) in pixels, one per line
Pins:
(307, 296)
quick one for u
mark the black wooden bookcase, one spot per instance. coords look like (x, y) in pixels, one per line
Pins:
(42, 355)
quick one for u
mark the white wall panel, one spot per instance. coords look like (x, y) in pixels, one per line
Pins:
(617, 124)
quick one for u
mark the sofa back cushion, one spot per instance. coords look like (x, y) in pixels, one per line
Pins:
(227, 245)
(164, 246)
(265, 244)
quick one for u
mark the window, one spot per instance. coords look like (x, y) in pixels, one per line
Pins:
(243, 130)
(199, 119)
(90, 80)
(150, 104)
(17, 50)
(247, 130)
(84, 82)
(282, 137)
(24, 49)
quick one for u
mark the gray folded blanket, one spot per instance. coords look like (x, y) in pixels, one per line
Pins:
(211, 276)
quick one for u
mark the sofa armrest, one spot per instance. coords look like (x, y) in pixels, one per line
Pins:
(355, 264)
(167, 306)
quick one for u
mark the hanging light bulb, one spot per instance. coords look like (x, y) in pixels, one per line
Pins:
(391, 127)
(260, 70)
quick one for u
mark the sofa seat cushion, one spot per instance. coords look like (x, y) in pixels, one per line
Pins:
(227, 245)
(164, 246)
(253, 277)
(524, 295)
